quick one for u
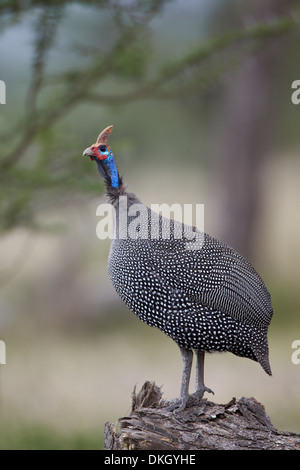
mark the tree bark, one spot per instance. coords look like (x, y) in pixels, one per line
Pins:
(238, 425)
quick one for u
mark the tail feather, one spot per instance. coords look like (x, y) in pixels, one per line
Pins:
(260, 350)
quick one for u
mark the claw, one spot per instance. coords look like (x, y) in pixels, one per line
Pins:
(176, 405)
(199, 393)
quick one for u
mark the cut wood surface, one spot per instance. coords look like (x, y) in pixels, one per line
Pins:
(241, 424)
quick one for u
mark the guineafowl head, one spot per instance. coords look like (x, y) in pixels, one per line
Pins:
(102, 154)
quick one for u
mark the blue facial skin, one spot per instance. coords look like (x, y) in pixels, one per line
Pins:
(110, 162)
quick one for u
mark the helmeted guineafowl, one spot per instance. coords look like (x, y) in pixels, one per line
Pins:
(208, 298)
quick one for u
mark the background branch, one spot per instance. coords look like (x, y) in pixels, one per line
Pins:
(45, 28)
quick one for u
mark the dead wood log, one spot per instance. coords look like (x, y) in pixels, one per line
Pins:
(241, 424)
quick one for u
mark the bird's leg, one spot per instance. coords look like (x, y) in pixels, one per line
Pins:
(200, 387)
(179, 404)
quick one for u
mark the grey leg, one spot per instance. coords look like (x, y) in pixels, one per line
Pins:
(180, 403)
(187, 357)
(200, 387)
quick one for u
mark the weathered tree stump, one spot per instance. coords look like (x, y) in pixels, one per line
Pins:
(239, 425)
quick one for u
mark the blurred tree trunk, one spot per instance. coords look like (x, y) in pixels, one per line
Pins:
(246, 125)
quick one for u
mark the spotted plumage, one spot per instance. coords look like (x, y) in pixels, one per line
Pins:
(208, 298)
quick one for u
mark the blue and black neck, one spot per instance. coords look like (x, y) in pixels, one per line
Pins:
(108, 169)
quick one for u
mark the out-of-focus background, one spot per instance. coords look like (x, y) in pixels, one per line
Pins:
(199, 93)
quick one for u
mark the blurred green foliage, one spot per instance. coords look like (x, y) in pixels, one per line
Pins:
(36, 155)
(38, 437)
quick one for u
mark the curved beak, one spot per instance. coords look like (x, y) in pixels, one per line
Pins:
(88, 151)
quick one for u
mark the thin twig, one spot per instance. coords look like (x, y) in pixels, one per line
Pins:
(47, 23)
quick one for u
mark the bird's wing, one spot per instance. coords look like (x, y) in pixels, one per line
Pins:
(233, 286)
(215, 275)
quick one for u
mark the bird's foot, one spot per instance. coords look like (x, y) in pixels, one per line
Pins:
(176, 405)
(200, 392)
(179, 404)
